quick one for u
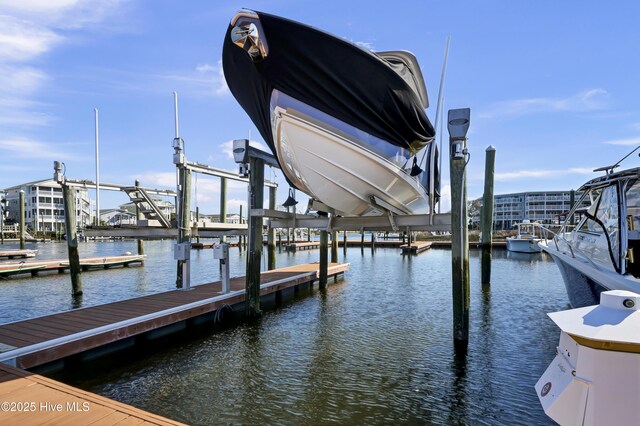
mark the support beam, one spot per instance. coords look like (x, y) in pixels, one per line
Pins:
(254, 255)
(487, 214)
(72, 239)
(458, 124)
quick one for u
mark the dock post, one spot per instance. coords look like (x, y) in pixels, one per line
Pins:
(271, 237)
(240, 235)
(373, 241)
(139, 216)
(254, 254)
(195, 228)
(410, 237)
(487, 213)
(2, 208)
(184, 230)
(334, 246)
(458, 125)
(362, 239)
(324, 257)
(223, 204)
(22, 224)
(308, 235)
(72, 239)
(344, 243)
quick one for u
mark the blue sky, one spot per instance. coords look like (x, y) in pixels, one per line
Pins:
(552, 85)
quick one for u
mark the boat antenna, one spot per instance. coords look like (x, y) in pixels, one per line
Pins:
(609, 169)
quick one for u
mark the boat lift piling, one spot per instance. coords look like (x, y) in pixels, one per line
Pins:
(69, 201)
(324, 257)
(23, 229)
(334, 246)
(458, 125)
(223, 204)
(271, 236)
(486, 218)
(344, 243)
(139, 216)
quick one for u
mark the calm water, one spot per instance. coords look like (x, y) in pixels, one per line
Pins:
(374, 348)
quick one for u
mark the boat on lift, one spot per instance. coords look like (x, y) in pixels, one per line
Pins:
(347, 125)
(602, 252)
(526, 240)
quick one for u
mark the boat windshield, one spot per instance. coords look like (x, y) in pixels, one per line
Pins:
(599, 230)
(381, 147)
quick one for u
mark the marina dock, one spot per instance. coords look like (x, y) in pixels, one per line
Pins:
(302, 246)
(37, 341)
(39, 400)
(35, 267)
(17, 253)
(416, 247)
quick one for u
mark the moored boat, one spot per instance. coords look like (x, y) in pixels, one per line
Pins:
(602, 252)
(347, 125)
(526, 239)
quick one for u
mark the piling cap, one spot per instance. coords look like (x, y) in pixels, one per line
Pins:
(490, 148)
(615, 320)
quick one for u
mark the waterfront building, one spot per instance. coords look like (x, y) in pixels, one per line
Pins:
(545, 207)
(44, 208)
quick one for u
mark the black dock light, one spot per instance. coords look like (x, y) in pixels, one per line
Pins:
(241, 155)
(291, 200)
(458, 125)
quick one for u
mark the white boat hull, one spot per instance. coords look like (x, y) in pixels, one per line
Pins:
(584, 279)
(523, 245)
(340, 172)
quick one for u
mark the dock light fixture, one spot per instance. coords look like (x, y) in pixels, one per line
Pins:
(241, 155)
(58, 175)
(291, 200)
(458, 125)
(178, 151)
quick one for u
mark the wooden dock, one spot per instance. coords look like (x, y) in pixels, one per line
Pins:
(308, 245)
(35, 267)
(37, 341)
(30, 399)
(416, 247)
(17, 253)
(200, 246)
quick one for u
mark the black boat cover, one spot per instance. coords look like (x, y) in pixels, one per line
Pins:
(330, 74)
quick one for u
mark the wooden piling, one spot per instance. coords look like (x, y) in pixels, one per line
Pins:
(572, 201)
(324, 257)
(22, 219)
(69, 202)
(486, 218)
(308, 235)
(334, 246)
(344, 243)
(459, 231)
(254, 255)
(223, 204)
(271, 237)
(373, 241)
(240, 236)
(362, 240)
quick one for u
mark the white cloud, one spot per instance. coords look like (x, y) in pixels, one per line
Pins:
(587, 100)
(157, 179)
(233, 205)
(27, 148)
(445, 197)
(204, 79)
(22, 40)
(627, 142)
(525, 174)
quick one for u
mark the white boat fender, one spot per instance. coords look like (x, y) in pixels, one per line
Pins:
(595, 377)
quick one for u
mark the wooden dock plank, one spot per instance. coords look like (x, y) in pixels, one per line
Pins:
(92, 263)
(183, 305)
(57, 403)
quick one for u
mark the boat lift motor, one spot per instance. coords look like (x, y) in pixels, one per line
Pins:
(221, 252)
(595, 377)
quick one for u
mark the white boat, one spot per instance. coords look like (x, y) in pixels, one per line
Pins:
(526, 240)
(347, 125)
(603, 251)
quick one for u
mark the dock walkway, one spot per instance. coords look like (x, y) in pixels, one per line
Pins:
(17, 253)
(37, 341)
(416, 247)
(35, 267)
(30, 399)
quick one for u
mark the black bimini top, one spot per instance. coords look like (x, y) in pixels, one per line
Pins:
(385, 98)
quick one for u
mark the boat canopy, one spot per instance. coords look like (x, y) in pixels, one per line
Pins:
(381, 94)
